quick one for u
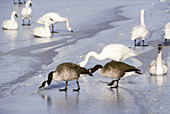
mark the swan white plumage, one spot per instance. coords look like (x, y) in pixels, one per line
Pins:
(167, 32)
(26, 12)
(43, 31)
(57, 18)
(10, 24)
(158, 67)
(115, 52)
(139, 32)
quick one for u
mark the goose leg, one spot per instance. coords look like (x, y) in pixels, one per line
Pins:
(65, 89)
(116, 84)
(143, 43)
(135, 42)
(111, 83)
(78, 87)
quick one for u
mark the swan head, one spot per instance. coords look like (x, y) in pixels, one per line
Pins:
(29, 3)
(143, 11)
(159, 48)
(14, 13)
(96, 67)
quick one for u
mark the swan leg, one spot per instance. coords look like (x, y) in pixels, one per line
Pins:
(29, 23)
(111, 83)
(53, 29)
(165, 42)
(78, 87)
(144, 43)
(23, 22)
(65, 89)
(116, 84)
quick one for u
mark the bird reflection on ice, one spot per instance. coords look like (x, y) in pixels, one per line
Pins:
(158, 80)
(10, 33)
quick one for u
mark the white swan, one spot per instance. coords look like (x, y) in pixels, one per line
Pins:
(114, 70)
(43, 31)
(116, 52)
(167, 32)
(10, 24)
(158, 67)
(139, 32)
(57, 18)
(26, 12)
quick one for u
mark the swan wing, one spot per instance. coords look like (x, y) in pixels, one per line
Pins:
(139, 32)
(54, 16)
(152, 67)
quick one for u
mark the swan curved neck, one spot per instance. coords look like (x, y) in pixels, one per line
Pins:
(92, 53)
(142, 19)
(159, 58)
(67, 24)
(12, 17)
(46, 25)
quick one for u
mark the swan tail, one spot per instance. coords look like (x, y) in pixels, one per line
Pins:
(48, 82)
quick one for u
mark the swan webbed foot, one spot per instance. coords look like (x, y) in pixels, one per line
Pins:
(71, 30)
(29, 24)
(54, 32)
(63, 89)
(145, 45)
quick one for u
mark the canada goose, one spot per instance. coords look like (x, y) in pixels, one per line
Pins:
(43, 31)
(66, 72)
(57, 18)
(158, 67)
(139, 32)
(114, 70)
(10, 24)
(115, 52)
(167, 32)
(26, 12)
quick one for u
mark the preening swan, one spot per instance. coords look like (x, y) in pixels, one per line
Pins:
(139, 32)
(114, 70)
(158, 67)
(167, 32)
(10, 24)
(26, 12)
(66, 72)
(43, 31)
(57, 18)
(115, 52)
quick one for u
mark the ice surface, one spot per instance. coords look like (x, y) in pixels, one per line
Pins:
(25, 61)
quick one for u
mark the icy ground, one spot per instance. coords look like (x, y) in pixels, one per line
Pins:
(25, 61)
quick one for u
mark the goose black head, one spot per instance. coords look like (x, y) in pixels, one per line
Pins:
(159, 48)
(44, 84)
(96, 67)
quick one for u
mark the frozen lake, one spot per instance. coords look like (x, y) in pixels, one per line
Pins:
(25, 61)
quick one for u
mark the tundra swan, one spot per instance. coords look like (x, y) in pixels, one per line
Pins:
(10, 24)
(57, 18)
(139, 32)
(115, 52)
(26, 12)
(158, 67)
